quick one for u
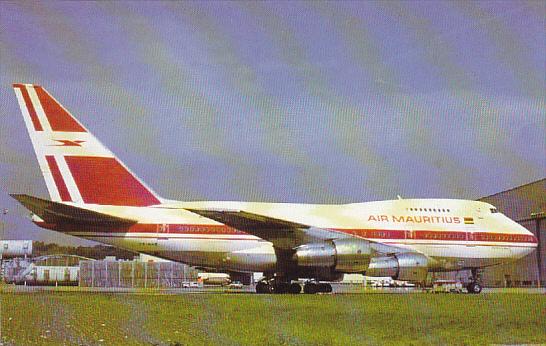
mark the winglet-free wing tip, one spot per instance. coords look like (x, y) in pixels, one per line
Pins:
(18, 196)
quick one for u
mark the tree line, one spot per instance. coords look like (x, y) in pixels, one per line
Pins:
(40, 248)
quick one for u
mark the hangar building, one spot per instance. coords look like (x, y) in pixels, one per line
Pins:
(526, 205)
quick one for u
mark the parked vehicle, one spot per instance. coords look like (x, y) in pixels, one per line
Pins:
(190, 284)
(447, 286)
(235, 285)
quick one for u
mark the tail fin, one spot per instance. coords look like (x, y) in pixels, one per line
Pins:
(75, 165)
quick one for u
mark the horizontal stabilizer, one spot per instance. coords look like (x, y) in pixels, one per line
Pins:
(55, 212)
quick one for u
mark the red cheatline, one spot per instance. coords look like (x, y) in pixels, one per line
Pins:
(198, 230)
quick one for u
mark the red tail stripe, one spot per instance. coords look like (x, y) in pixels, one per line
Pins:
(30, 107)
(58, 178)
(59, 119)
(103, 180)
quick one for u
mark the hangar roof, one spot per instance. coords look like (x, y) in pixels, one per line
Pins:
(520, 202)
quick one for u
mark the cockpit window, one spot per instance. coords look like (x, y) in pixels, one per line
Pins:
(494, 210)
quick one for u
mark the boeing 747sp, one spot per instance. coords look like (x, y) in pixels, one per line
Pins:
(93, 195)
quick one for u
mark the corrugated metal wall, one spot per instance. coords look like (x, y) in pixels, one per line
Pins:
(525, 204)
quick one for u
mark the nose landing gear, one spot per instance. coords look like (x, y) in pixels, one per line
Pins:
(475, 286)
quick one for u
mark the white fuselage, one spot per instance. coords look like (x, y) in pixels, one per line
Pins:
(456, 234)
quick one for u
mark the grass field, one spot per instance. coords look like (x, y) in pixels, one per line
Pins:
(247, 319)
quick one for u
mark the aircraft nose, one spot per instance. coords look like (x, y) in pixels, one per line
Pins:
(529, 237)
(523, 235)
(535, 240)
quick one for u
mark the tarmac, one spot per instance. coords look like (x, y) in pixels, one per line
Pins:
(250, 289)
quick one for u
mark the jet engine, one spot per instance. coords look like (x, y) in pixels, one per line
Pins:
(405, 267)
(340, 255)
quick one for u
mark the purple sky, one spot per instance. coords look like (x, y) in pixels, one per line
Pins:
(305, 102)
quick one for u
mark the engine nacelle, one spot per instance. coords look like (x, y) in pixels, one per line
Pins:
(404, 267)
(340, 255)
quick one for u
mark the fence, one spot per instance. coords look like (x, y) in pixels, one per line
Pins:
(12, 268)
(135, 274)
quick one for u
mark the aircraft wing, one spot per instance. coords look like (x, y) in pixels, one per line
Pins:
(55, 212)
(282, 233)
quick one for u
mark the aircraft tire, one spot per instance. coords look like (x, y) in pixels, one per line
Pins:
(310, 288)
(325, 288)
(474, 288)
(295, 288)
(262, 287)
(281, 288)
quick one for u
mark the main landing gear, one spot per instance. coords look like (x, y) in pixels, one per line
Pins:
(278, 287)
(273, 286)
(312, 287)
(283, 287)
(474, 286)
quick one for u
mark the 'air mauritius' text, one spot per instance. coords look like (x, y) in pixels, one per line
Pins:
(415, 219)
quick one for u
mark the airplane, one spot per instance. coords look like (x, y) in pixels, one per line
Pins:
(93, 195)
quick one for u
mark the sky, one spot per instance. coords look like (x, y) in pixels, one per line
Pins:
(305, 102)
